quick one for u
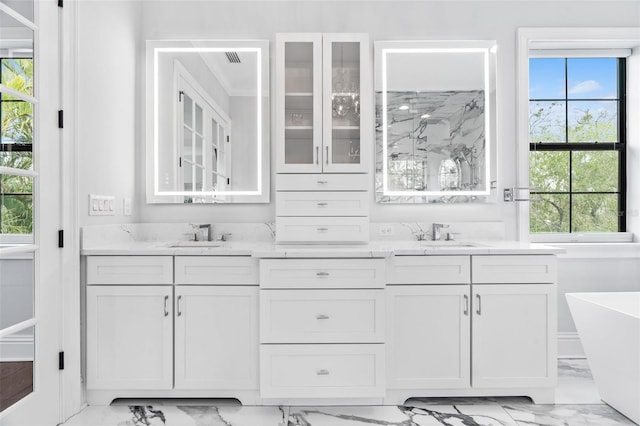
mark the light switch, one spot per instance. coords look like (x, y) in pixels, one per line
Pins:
(101, 205)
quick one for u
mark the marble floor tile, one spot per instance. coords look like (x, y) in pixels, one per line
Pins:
(575, 383)
(567, 415)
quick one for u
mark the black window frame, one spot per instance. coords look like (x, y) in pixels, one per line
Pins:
(618, 146)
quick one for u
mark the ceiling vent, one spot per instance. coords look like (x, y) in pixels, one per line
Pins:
(233, 57)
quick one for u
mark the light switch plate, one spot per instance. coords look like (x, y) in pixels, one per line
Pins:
(102, 205)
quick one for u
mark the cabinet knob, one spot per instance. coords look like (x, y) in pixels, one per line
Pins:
(322, 317)
(322, 372)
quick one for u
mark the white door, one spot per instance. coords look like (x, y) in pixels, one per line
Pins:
(513, 330)
(30, 260)
(129, 337)
(428, 338)
(216, 338)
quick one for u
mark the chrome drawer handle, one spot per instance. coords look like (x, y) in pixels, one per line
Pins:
(323, 182)
(478, 310)
(323, 204)
(317, 154)
(466, 304)
(322, 317)
(178, 306)
(327, 159)
(322, 229)
(322, 274)
(166, 310)
(322, 372)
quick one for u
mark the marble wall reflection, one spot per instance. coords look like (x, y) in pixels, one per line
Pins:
(435, 142)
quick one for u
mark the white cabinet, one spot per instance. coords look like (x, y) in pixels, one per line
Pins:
(216, 337)
(514, 335)
(428, 343)
(323, 89)
(129, 337)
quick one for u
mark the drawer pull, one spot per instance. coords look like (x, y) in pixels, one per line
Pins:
(323, 204)
(322, 274)
(323, 182)
(166, 310)
(478, 310)
(322, 372)
(317, 154)
(466, 304)
(327, 159)
(323, 229)
(322, 317)
(178, 305)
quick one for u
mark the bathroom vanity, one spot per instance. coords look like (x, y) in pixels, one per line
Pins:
(273, 324)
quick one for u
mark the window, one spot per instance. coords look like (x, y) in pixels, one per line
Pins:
(16, 116)
(577, 144)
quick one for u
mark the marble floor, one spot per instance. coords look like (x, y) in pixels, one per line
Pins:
(577, 404)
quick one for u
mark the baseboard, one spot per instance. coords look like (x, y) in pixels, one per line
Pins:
(16, 347)
(569, 345)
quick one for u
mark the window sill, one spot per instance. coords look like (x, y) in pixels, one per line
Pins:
(587, 237)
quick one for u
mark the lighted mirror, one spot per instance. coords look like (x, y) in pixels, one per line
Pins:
(435, 121)
(207, 121)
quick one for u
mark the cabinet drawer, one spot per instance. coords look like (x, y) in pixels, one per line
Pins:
(322, 273)
(322, 316)
(429, 270)
(512, 269)
(322, 182)
(129, 270)
(322, 229)
(317, 371)
(322, 203)
(216, 270)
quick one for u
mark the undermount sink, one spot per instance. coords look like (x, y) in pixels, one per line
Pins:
(443, 243)
(197, 244)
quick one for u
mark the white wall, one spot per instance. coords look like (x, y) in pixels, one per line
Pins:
(108, 95)
(112, 135)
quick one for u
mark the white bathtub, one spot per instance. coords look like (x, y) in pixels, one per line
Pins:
(609, 328)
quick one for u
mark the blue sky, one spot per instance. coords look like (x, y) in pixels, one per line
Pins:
(587, 78)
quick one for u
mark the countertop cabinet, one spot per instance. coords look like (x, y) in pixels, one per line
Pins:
(514, 335)
(216, 337)
(129, 337)
(428, 344)
(322, 103)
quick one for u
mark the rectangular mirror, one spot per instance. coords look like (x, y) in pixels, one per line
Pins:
(435, 121)
(207, 121)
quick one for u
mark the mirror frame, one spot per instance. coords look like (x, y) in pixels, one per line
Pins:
(262, 193)
(488, 191)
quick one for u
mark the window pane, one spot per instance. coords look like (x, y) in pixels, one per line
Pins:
(593, 121)
(16, 289)
(16, 204)
(23, 7)
(595, 213)
(549, 171)
(16, 367)
(16, 160)
(547, 121)
(17, 74)
(595, 171)
(17, 124)
(550, 214)
(592, 78)
(546, 78)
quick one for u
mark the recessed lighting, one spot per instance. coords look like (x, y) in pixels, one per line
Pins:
(404, 107)
(425, 116)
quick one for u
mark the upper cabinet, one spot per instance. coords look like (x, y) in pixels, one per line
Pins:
(323, 103)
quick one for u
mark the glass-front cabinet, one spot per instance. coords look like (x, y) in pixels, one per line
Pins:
(322, 100)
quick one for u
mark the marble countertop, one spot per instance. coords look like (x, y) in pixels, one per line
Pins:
(375, 249)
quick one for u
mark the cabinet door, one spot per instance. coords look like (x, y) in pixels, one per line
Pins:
(299, 103)
(346, 102)
(428, 340)
(216, 337)
(129, 337)
(514, 342)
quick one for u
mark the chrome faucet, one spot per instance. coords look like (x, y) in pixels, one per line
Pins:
(435, 230)
(209, 230)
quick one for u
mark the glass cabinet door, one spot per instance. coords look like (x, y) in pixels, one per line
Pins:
(302, 138)
(343, 102)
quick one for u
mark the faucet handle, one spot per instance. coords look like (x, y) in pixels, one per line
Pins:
(224, 236)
